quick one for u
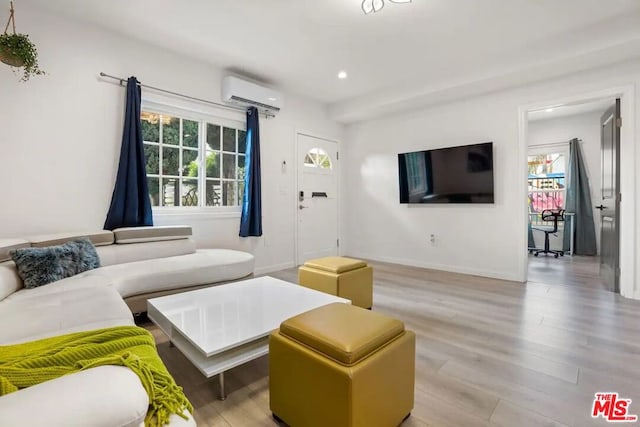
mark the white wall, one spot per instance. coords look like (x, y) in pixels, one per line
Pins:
(483, 239)
(60, 137)
(582, 126)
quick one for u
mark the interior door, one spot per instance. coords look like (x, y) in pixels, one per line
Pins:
(610, 204)
(317, 198)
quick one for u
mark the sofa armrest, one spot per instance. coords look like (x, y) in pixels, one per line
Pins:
(106, 396)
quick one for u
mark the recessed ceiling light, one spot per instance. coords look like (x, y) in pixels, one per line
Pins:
(271, 98)
(548, 110)
(342, 75)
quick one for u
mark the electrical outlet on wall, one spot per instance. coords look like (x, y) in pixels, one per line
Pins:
(432, 239)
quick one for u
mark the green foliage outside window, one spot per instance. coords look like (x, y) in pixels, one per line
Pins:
(165, 131)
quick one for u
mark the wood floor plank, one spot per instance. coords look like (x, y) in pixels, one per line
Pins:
(489, 352)
(470, 399)
(534, 400)
(509, 415)
(434, 411)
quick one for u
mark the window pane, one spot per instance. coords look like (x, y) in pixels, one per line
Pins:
(170, 130)
(242, 141)
(214, 192)
(150, 127)
(544, 164)
(213, 136)
(229, 193)
(170, 192)
(229, 139)
(213, 164)
(170, 161)
(189, 192)
(190, 163)
(240, 192)
(308, 161)
(241, 167)
(152, 154)
(546, 182)
(324, 162)
(154, 191)
(229, 166)
(190, 133)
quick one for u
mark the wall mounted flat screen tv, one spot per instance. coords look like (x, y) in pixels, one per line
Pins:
(461, 174)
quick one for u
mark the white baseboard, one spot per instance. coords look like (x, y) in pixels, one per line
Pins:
(272, 268)
(502, 275)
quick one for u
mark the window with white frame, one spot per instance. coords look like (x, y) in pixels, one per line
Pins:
(193, 162)
(547, 179)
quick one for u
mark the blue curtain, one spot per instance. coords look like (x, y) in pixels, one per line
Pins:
(130, 204)
(579, 202)
(251, 220)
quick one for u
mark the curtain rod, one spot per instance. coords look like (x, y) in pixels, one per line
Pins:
(121, 82)
(552, 144)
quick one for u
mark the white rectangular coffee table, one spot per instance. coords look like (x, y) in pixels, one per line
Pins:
(224, 326)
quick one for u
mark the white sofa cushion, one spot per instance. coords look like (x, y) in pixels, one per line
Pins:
(119, 254)
(98, 238)
(65, 285)
(200, 268)
(7, 245)
(151, 234)
(26, 316)
(10, 280)
(105, 396)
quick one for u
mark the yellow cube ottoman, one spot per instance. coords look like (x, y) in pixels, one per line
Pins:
(345, 277)
(341, 366)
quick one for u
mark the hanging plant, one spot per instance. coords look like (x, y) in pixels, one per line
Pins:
(17, 50)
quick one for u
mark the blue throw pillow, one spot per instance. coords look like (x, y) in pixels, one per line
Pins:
(88, 258)
(40, 266)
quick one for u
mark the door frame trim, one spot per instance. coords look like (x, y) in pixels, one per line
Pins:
(296, 153)
(628, 162)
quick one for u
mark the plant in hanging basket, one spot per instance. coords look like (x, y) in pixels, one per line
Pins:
(17, 50)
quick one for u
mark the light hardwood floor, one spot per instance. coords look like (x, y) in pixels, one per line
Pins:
(489, 352)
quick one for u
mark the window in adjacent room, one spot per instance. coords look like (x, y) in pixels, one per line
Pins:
(193, 162)
(546, 181)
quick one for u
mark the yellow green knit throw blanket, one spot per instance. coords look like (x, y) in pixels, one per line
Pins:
(31, 363)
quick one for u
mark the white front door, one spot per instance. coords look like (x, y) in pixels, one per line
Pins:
(317, 198)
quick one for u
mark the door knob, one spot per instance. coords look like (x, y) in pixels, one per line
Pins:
(601, 207)
(302, 207)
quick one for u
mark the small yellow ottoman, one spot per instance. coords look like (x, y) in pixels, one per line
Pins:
(345, 277)
(341, 366)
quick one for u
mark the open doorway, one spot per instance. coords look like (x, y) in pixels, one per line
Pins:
(572, 169)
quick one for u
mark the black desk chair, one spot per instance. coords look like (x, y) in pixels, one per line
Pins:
(555, 216)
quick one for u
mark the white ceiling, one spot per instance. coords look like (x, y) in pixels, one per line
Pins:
(300, 45)
(557, 111)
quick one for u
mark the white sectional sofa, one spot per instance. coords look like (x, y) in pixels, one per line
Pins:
(135, 265)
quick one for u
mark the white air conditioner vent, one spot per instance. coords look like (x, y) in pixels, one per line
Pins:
(242, 92)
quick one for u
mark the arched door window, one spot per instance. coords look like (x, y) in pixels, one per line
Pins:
(317, 158)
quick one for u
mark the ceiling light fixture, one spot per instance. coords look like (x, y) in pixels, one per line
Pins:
(342, 75)
(369, 6)
(548, 110)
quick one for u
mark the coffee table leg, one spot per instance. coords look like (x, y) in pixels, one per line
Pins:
(223, 396)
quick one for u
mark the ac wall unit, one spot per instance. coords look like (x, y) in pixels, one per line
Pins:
(242, 92)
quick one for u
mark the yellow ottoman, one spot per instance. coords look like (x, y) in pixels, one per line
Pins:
(345, 277)
(341, 366)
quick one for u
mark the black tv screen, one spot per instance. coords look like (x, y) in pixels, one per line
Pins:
(447, 175)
